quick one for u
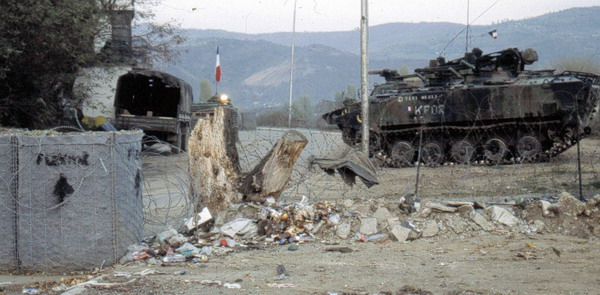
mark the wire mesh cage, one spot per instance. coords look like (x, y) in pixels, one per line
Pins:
(70, 201)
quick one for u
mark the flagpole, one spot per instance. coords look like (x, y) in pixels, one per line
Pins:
(217, 72)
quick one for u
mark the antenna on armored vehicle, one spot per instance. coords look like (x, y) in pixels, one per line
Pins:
(467, 27)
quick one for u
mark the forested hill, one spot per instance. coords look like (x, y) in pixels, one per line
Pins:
(256, 67)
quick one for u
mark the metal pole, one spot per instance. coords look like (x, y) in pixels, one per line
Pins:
(292, 67)
(577, 137)
(419, 160)
(467, 43)
(364, 81)
(579, 168)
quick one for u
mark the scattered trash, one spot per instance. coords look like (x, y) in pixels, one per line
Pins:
(188, 250)
(211, 283)
(31, 291)
(334, 219)
(351, 164)
(174, 258)
(122, 274)
(147, 271)
(376, 237)
(242, 226)
(60, 288)
(280, 286)
(221, 284)
(281, 272)
(232, 285)
(180, 272)
(201, 218)
(409, 203)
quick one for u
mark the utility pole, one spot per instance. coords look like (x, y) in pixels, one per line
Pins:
(364, 81)
(292, 67)
(468, 26)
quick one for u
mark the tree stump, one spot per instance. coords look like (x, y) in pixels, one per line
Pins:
(270, 177)
(214, 163)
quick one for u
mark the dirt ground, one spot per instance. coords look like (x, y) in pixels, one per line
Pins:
(475, 262)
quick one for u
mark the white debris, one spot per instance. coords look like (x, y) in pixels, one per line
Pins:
(368, 226)
(202, 217)
(502, 215)
(242, 226)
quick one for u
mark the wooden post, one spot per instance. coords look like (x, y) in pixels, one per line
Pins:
(214, 164)
(270, 177)
(215, 169)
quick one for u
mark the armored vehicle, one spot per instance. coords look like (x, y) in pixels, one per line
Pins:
(475, 109)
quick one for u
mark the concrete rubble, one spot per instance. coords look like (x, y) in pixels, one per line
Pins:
(252, 225)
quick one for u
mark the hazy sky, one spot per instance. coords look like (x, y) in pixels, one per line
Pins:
(260, 16)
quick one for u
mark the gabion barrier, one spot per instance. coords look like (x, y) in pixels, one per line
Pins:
(69, 201)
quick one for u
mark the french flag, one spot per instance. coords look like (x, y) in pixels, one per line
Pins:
(218, 67)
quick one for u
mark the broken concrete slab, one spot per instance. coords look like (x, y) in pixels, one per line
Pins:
(570, 206)
(368, 226)
(399, 232)
(480, 220)
(458, 203)
(343, 230)
(430, 229)
(441, 207)
(548, 209)
(382, 215)
(426, 212)
(503, 216)
(465, 211)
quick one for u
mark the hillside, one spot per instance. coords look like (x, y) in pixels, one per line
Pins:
(256, 67)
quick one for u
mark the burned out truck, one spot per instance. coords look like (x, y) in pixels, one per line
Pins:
(156, 102)
(476, 109)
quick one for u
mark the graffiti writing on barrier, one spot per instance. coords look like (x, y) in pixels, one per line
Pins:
(58, 159)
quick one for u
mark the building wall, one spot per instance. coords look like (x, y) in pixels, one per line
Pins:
(96, 86)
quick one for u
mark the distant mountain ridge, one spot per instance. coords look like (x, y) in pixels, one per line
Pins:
(256, 66)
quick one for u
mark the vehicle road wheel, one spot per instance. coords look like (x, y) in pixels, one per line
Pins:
(462, 151)
(529, 147)
(495, 150)
(349, 136)
(432, 153)
(375, 142)
(402, 153)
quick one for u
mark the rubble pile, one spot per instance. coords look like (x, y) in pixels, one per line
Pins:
(252, 226)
